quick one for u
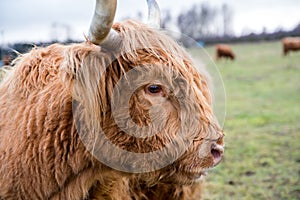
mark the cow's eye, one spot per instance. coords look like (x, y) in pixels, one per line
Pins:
(154, 89)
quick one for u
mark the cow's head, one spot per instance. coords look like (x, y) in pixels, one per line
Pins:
(141, 104)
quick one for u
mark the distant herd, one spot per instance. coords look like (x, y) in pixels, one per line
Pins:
(288, 44)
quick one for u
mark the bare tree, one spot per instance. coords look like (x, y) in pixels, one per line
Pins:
(166, 18)
(198, 21)
(227, 19)
(60, 32)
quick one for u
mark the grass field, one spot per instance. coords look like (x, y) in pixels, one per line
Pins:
(262, 125)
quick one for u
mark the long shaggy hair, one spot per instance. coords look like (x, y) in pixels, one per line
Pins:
(56, 99)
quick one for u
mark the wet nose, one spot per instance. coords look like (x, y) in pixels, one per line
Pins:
(217, 152)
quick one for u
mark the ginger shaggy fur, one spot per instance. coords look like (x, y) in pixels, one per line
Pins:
(41, 153)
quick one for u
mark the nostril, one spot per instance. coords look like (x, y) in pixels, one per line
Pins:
(217, 152)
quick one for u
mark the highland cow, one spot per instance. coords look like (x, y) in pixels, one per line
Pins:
(290, 44)
(224, 51)
(124, 115)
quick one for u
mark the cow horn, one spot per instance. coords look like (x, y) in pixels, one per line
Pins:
(153, 14)
(100, 30)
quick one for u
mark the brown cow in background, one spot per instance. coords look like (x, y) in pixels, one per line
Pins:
(290, 44)
(223, 50)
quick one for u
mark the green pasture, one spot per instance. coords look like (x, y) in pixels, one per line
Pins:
(262, 125)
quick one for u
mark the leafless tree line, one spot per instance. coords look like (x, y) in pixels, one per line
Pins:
(202, 20)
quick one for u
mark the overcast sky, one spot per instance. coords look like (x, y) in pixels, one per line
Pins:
(35, 20)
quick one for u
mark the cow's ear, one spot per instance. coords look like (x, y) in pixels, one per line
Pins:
(78, 57)
(88, 71)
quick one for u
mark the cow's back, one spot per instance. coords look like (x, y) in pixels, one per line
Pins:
(36, 127)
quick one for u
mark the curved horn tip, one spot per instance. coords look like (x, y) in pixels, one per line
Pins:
(154, 17)
(102, 20)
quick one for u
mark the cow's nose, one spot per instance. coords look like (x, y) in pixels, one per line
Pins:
(217, 152)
